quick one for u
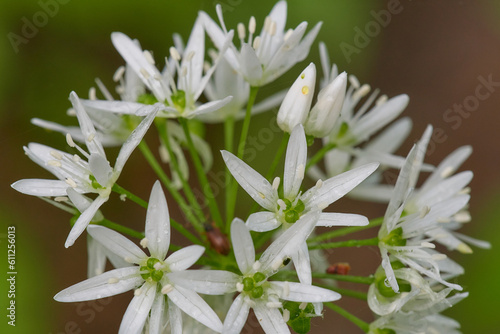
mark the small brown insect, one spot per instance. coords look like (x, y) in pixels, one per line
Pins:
(339, 268)
(217, 239)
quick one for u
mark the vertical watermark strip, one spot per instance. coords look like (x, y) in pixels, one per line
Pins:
(11, 275)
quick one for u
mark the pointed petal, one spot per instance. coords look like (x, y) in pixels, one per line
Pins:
(251, 68)
(329, 219)
(209, 282)
(336, 187)
(83, 221)
(300, 292)
(194, 306)
(450, 164)
(118, 107)
(41, 187)
(270, 319)
(138, 310)
(262, 221)
(133, 140)
(96, 257)
(236, 316)
(243, 246)
(117, 243)
(158, 223)
(100, 168)
(100, 286)
(286, 244)
(157, 320)
(209, 107)
(195, 51)
(302, 264)
(184, 258)
(295, 163)
(88, 130)
(252, 182)
(175, 316)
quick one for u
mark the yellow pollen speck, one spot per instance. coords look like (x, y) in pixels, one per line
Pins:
(305, 90)
(303, 75)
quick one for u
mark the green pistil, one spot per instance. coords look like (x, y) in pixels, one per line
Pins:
(259, 277)
(147, 99)
(150, 271)
(179, 100)
(344, 127)
(310, 140)
(387, 291)
(248, 284)
(252, 287)
(95, 184)
(292, 213)
(257, 292)
(395, 238)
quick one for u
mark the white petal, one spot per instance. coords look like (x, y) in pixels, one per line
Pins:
(99, 286)
(244, 250)
(236, 316)
(74, 131)
(287, 243)
(453, 161)
(419, 159)
(96, 257)
(100, 168)
(302, 264)
(329, 219)
(88, 130)
(83, 221)
(138, 310)
(251, 68)
(184, 258)
(117, 243)
(158, 223)
(444, 189)
(195, 49)
(80, 201)
(336, 187)
(295, 163)
(194, 306)
(210, 106)
(156, 320)
(270, 319)
(262, 221)
(254, 184)
(119, 107)
(175, 317)
(300, 292)
(40, 187)
(133, 140)
(210, 282)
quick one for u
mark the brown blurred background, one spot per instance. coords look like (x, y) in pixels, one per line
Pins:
(437, 52)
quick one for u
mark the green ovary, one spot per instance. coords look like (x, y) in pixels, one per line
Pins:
(150, 272)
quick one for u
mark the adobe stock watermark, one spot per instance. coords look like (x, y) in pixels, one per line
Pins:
(227, 5)
(87, 312)
(31, 26)
(363, 37)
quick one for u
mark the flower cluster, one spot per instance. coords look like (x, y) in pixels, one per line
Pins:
(242, 265)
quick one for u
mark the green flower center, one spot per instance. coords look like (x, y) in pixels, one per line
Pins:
(384, 289)
(147, 99)
(179, 100)
(150, 272)
(291, 212)
(252, 285)
(395, 238)
(94, 183)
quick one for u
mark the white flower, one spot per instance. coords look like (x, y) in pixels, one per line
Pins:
(256, 292)
(401, 234)
(148, 275)
(173, 99)
(92, 176)
(297, 102)
(227, 82)
(266, 57)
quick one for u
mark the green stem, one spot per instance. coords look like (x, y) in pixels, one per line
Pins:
(161, 126)
(346, 292)
(182, 230)
(319, 155)
(168, 184)
(228, 145)
(207, 189)
(121, 229)
(232, 184)
(348, 243)
(349, 316)
(346, 230)
(262, 238)
(129, 195)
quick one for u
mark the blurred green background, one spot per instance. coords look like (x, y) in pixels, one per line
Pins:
(434, 51)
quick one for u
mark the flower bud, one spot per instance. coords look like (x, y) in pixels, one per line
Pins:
(297, 102)
(325, 112)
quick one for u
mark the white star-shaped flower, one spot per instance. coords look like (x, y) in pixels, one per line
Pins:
(92, 176)
(266, 57)
(148, 275)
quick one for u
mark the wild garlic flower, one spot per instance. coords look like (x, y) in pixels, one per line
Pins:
(148, 275)
(401, 234)
(173, 99)
(264, 58)
(90, 175)
(427, 320)
(255, 290)
(295, 203)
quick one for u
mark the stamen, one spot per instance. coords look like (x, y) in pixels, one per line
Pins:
(54, 163)
(426, 244)
(239, 287)
(303, 306)
(145, 73)
(167, 289)
(443, 220)
(119, 74)
(241, 31)
(190, 56)
(354, 81)
(286, 315)
(71, 112)
(272, 29)
(319, 184)
(91, 137)
(262, 195)
(71, 182)
(448, 171)
(288, 33)
(213, 54)
(464, 191)
(157, 265)
(286, 289)
(70, 141)
(462, 217)
(464, 248)
(92, 94)
(425, 210)
(381, 100)
(174, 53)
(123, 197)
(361, 92)
(149, 57)
(252, 25)
(256, 265)
(276, 265)
(76, 158)
(250, 302)
(128, 259)
(267, 24)
(113, 280)
(256, 42)
(137, 292)
(274, 304)
(439, 257)
(61, 199)
(144, 243)
(276, 183)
